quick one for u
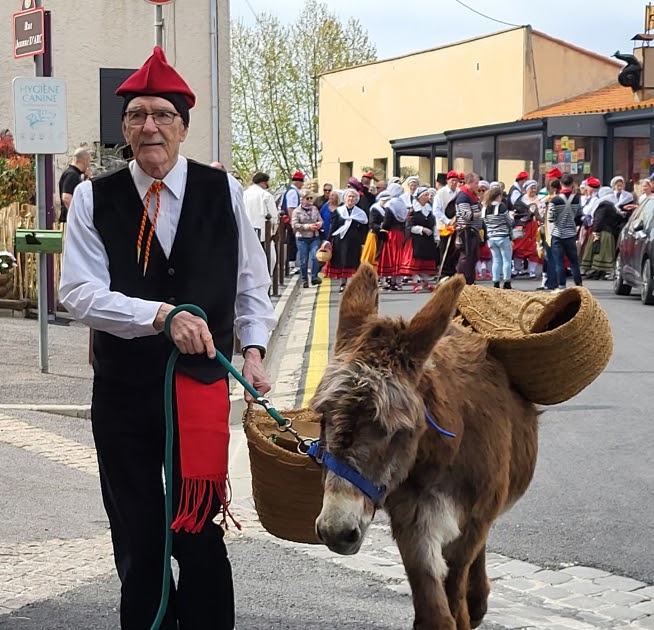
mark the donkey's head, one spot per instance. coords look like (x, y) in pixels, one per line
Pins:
(371, 411)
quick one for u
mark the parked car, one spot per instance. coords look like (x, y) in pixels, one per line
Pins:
(634, 264)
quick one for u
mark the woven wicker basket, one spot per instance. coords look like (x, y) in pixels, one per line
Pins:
(286, 486)
(552, 346)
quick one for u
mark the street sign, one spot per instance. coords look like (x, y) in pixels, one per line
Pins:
(40, 115)
(28, 33)
(160, 1)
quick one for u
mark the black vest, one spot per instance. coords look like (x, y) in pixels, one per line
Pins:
(202, 270)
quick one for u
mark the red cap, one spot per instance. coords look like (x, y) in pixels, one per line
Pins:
(297, 177)
(593, 182)
(521, 175)
(369, 175)
(554, 173)
(452, 175)
(462, 176)
(156, 76)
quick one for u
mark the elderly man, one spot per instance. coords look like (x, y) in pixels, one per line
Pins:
(160, 232)
(74, 175)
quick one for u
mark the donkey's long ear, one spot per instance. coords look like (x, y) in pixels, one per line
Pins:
(360, 300)
(431, 321)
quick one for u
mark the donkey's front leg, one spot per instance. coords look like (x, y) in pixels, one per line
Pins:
(420, 529)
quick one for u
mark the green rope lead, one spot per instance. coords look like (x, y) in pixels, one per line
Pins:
(168, 455)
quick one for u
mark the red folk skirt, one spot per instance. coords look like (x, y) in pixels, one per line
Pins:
(525, 247)
(411, 265)
(390, 259)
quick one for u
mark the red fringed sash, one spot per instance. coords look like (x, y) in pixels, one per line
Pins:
(203, 419)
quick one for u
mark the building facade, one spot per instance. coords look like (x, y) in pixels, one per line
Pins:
(97, 43)
(465, 106)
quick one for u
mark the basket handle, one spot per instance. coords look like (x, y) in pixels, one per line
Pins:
(523, 310)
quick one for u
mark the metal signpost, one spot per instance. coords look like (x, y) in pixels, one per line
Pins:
(158, 20)
(40, 128)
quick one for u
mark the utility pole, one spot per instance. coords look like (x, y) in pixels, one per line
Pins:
(41, 223)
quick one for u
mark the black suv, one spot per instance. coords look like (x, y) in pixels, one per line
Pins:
(634, 264)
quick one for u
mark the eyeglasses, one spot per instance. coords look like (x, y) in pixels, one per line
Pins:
(327, 190)
(137, 118)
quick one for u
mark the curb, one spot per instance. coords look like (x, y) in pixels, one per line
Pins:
(72, 411)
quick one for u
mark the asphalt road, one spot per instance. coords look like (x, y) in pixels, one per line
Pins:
(590, 500)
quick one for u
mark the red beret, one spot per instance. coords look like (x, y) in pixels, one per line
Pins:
(155, 77)
(522, 175)
(452, 175)
(369, 175)
(554, 173)
(593, 182)
(297, 177)
(462, 176)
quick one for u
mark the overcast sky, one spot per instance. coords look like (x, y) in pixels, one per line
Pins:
(603, 26)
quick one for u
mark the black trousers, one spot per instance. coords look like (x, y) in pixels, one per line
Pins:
(129, 432)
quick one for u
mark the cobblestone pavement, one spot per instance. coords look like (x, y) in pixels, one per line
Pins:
(524, 596)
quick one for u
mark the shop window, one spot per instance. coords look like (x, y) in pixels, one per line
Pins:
(476, 155)
(518, 152)
(631, 159)
(579, 155)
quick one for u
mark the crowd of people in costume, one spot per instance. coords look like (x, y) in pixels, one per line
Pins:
(416, 234)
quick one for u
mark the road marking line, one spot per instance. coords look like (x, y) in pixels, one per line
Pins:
(319, 347)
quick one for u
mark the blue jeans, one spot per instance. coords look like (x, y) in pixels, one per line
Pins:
(567, 247)
(550, 267)
(306, 252)
(502, 252)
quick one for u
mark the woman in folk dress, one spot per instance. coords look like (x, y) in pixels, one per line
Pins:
(421, 248)
(347, 234)
(392, 230)
(524, 215)
(373, 244)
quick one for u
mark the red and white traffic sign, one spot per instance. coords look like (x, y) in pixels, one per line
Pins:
(160, 1)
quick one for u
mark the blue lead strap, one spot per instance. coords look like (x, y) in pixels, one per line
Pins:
(375, 493)
(438, 428)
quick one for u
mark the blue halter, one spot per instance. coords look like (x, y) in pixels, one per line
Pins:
(340, 468)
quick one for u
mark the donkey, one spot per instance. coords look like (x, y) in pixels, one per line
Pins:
(390, 385)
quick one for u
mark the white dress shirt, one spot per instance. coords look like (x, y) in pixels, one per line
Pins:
(85, 278)
(259, 203)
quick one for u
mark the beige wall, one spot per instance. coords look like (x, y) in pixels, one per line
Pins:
(120, 34)
(362, 108)
(546, 57)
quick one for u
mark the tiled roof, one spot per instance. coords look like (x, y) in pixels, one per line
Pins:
(613, 98)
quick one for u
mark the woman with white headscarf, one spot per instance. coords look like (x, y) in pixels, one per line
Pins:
(347, 233)
(623, 197)
(599, 255)
(421, 249)
(372, 246)
(526, 229)
(409, 197)
(392, 229)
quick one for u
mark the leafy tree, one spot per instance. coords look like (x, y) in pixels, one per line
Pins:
(275, 71)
